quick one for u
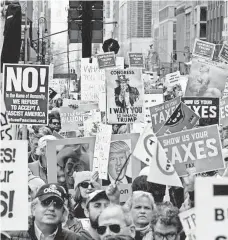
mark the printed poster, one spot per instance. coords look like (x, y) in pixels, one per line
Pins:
(136, 60)
(73, 117)
(162, 112)
(224, 112)
(150, 100)
(6, 128)
(203, 49)
(182, 118)
(223, 55)
(188, 221)
(26, 93)
(198, 149)
(92, 80)
(14, 196)
(149, 150)
(206, 108)
(125, 96)
(106, 60)
(206, 79)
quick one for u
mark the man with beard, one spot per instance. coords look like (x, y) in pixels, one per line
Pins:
(96, 203)
(54, 122)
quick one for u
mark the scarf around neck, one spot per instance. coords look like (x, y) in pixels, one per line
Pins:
(145, 232)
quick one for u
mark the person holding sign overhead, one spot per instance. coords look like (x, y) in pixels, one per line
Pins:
(117, 165)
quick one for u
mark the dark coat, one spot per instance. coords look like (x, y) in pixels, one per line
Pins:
(133, 96)
(62, 234)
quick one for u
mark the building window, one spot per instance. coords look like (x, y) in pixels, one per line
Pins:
(203, 30)
(203, 14)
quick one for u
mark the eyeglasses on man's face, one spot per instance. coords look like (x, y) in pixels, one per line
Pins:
(57, 203)
(115, 228)
(167, 236)
(55, 122)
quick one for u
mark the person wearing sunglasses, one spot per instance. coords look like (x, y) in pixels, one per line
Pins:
(165, 222)
(54, 121)
(85, 182)
(115, 220)
(49, 212)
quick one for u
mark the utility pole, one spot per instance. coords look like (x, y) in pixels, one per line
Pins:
(86, 29)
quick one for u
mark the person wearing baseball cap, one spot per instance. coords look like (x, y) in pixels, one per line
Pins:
(49, 212)
(96, 203)
(118, 154)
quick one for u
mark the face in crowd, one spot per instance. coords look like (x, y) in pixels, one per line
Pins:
(96, 206)
(114, 221)
(48, 206)
(141, 211)
(165, 222)
(119, 152)
(55, 124)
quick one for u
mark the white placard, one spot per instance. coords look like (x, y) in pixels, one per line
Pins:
(101, 151)
(14, 185)
(211, 200)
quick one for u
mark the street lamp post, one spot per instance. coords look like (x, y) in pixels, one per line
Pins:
(41, 19)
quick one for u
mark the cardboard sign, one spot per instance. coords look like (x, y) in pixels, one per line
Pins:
(211, 198)
(188, 221)
(5, 127)
(101, 151)
(162, 112)
(153, 99)
(125, 96)
(14, 196)
(136, 60)
(92, 80)
(206, 79)
(223, 54)
(73, 118)
(173, 78)
(106, 60)
(149, 150)
(206, 108)
(26, 93)
(224, 112)
(182, 118)
(203, 49)
(198, 148)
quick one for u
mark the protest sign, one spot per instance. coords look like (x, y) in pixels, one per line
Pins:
(92, 80)
(223, 54)
(162, 112)
(5, 128)
(73, 118)
(188, 221)
(203, 49)
(211, 198)
(14, 196)
(149, 151)
(106, 60)
(136, 60)
(205, 107)
(125, 96)
(72, 154)
(182, 118)
(198, 148)
(224, 112)
(153, 99)
(172, 78)
(101, 150)
(52, 93)
(203, 79)
(26, 93)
